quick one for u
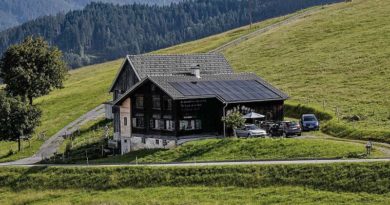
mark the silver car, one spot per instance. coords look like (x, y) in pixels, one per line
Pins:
(250, 131)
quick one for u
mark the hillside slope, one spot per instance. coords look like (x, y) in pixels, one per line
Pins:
(338, 54)
(339, 57)
(102, 32)
(85, 89)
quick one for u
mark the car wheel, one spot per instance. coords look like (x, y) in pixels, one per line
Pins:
(299, 134)
(249, 135)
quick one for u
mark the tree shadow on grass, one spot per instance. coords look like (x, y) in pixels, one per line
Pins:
(202, 150)
(26, 180)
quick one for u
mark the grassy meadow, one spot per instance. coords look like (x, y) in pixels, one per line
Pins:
(84, 89)
(311, 146)
(245, 149)
(338, 58)
(334, 58)
(190, 195)
(88, 87)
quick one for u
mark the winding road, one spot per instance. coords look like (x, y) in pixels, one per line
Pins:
(51, 146)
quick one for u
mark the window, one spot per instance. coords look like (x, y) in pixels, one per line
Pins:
(125, 121)
(143, 140)
(138, 122)
(139, 102)
(170, 125)
(125, 141)
(190, 124)
(198, 124)
(167, 103)
(157, 141)
(156, 102)
(157, 124)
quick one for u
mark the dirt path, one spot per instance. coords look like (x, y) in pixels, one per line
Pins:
(51, 146)
(265, 29)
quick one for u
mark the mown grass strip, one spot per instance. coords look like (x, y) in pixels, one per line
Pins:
(357, 177)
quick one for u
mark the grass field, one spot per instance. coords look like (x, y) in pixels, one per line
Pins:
(339, 55)
(245, 149)
(88, 87)
(84, 89)
(191, 195)
(312, 145)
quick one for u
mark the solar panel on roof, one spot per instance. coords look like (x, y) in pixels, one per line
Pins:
(228, 90)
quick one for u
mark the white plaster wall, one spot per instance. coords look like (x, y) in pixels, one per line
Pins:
(135, 143)
(125, 145)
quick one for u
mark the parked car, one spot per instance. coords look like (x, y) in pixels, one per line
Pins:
(250, 131)
(289, 128)
(309, 122)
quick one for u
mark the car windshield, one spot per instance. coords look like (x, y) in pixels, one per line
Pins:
(252, 127)
(291, 124)
(309, 118)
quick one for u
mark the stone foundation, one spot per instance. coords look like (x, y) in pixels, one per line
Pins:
(135, 143)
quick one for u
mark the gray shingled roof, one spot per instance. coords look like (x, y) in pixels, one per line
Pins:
(227, 87)
(149, 65)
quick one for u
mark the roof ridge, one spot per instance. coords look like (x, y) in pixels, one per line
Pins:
(183, 54)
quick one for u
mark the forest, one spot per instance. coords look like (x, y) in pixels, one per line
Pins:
(102, 32)
(16, 12)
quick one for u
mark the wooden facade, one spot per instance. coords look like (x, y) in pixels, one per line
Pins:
(154, 113)
(158, 101)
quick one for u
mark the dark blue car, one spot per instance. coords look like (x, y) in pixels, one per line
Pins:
(309, 122)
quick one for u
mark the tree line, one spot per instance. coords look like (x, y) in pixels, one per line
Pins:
(102, 32)
(16, 12)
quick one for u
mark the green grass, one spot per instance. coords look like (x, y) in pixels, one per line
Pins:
(88, 87)
(191, 195)
(84, 89)
(92, 134)
(340, 55)
(339, 177)
(209, 43)
(245, 149)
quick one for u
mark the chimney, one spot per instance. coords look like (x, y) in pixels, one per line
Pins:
(196, 70)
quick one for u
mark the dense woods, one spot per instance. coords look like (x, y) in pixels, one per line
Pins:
(103, 32)
(16, 12)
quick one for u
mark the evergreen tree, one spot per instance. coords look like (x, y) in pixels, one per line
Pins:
(104, 32)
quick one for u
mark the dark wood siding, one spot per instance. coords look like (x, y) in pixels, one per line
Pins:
(126, 79)
(148, 91)
(204, 116)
